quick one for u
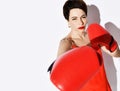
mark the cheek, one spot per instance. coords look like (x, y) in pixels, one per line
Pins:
(74, 25)
(85, 21)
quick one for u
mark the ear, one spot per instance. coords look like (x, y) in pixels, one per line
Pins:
(69, 25)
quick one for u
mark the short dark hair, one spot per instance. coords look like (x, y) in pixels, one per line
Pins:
(70, 4)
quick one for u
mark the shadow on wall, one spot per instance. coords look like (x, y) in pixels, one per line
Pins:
(94, 17)
(93, 14)
(113, 30)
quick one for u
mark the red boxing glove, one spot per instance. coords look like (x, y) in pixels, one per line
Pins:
(72, 70)
(100, 37)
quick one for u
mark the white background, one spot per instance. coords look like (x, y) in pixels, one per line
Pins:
(30, 31)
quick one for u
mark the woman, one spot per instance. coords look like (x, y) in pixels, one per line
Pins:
(75, 12)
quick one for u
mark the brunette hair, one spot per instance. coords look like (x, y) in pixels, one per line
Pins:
(71, 4)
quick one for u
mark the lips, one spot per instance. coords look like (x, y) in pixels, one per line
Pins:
(83, 27)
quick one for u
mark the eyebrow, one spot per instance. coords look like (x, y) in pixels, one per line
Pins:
(76, 16)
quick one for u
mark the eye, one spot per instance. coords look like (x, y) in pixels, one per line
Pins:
(84, 16)
(74, 18)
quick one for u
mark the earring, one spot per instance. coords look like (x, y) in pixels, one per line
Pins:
(69, 26)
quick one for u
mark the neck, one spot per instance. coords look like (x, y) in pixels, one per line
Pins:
(81, 35)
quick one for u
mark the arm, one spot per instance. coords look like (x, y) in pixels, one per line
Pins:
(65, 45)
(102, 38)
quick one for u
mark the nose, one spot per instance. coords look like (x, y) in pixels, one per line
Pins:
(81, 22)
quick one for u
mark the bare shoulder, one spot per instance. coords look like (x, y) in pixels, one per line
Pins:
(65, 45)
(65, 40)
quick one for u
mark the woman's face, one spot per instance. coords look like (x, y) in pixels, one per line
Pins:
(77, 19)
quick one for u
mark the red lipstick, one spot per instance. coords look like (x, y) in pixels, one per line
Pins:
(83, 27)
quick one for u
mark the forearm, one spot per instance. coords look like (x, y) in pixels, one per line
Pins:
(115, 53)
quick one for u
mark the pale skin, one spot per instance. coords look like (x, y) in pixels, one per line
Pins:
(78, 35)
